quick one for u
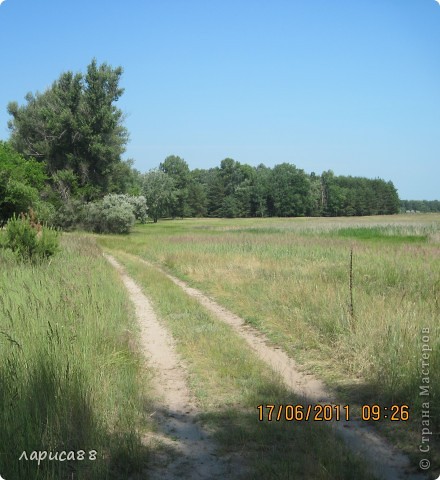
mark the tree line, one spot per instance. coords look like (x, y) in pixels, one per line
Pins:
(423, 206)
(239, 190)
(65, 152)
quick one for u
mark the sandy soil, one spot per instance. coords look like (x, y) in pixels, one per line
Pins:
(195, 450)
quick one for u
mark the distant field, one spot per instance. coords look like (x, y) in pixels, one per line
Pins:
(290, 279)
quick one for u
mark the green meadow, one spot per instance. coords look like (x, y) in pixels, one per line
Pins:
(290, 278)
(230, 381)
(349, 299)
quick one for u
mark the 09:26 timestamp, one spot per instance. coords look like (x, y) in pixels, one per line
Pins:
(328, 413)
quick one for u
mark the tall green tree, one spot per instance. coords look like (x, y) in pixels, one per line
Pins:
(316, 195)
(198, 189)
(75, 126)
(237, 180)
(260, 191)
(290, 191)
(178, 170)
(160, 193)
(216, 192)
(420, 205)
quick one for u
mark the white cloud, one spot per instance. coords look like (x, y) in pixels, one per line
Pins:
(1, 1)
(438, 1)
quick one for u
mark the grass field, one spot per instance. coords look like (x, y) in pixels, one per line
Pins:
(71, 376)
(290, 279)
(229, 382)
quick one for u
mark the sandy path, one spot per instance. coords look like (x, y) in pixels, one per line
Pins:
(191, 452)
(385, 460)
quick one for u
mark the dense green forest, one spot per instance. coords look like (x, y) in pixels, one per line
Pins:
(64, 157)
(236, 190)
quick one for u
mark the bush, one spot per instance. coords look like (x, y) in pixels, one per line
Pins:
(139, 204)
(21, 180)
(115, 213)
(44, 212)
(15, 197)
(30, 241)
(48, 243)
(68, 215)
(112, 214)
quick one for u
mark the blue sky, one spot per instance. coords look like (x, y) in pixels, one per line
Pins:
(352, 86)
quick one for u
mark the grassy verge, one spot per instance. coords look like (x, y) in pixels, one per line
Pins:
(290, 279)
(230, 381)
(69, 369)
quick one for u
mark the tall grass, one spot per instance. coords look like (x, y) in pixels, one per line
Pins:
(69, 370)
(290, 278)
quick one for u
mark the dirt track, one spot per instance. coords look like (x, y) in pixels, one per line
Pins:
(386, 462)
(189, 451)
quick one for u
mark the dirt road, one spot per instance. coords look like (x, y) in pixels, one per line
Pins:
(187, 449)
(197, 450)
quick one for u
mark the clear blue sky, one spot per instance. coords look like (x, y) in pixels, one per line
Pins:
(347, 85)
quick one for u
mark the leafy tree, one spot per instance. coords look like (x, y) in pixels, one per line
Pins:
(390, 199)
(229, 208)
(260, 191)
(21, 181)
(357, 196)
(243, 197)
(237, 183)
(74, 125)
(197, 200)
(230, 174)
(65, 184)
(139, 206)
(420, 205)
(316, 195)
(290, 191)
(216, 192)
(178, 170)
(125, 178)
(27, 170)
(159, 190)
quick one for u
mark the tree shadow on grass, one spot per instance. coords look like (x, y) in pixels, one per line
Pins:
(271, 449)
(45, 409)
(396, 413)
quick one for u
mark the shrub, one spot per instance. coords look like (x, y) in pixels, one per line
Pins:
(21, 180)
(112, 214)
(15, 197)
(30, 240)
(44, 212)
(68, 215)
(48, 243)
(139, 204)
